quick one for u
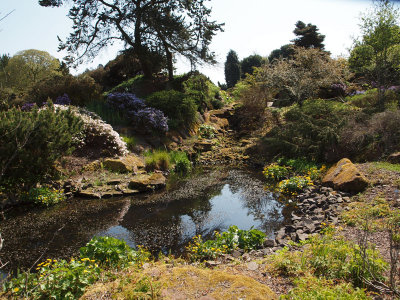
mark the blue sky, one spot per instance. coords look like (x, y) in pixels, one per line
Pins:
(251, 26)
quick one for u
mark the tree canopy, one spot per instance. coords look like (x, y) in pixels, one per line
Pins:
(149, 27)
(28, 67)
(232, 69)
(377, 55)
(248, 63)
(308, 36)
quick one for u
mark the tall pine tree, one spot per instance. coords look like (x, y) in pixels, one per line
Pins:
(308, 36)
(232, 69)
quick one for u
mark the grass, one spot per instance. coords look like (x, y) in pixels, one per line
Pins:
(386, 166)
(111, 116)
(186, 281)
(157, 160)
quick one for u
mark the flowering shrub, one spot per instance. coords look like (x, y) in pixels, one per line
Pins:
(45, 196)
(55, 280)
(63, 100)
(275, 172)
(149, 119)
(294, 185)
(97, 133)
(225, 242)
(207, 131)
(125, 101)
(144, 118)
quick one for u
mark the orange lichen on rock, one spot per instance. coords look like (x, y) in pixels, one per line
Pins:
(345, 176)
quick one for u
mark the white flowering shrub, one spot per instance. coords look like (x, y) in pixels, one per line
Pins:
(97, 134)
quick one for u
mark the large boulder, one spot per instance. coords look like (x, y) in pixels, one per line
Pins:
(126, 164)
(345, 176)
(146, 182)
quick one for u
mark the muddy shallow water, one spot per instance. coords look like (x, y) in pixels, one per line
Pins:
(163, 221)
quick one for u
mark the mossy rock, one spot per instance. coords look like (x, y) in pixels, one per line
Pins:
(146, 182)
(126, 164)
(345, 176)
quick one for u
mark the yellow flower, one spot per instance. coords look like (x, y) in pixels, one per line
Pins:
(16, 290)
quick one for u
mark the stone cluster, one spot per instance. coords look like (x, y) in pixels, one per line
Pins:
(316, 205)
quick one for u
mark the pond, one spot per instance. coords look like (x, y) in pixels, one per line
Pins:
(165, 221)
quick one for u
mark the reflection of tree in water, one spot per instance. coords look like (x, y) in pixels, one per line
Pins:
(161, 226)
(260, 203)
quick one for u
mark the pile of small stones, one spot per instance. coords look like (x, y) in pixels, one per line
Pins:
(315, 206)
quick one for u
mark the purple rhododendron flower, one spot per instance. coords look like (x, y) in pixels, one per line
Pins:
(63, 100)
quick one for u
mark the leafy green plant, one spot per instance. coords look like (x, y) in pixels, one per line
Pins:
(45, 196)
(225, 242)
(55, 279)
(112, 252)
(181, 161)
(275, 172)
(207, 131)
(294, 185)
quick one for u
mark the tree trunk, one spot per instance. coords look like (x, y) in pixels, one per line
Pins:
(170, 65)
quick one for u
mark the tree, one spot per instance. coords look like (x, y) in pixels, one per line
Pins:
(162, 27)
(286, 51)
(308, 36)
(302, 76)
(247, 64)
(376, 54)
(232, 69)
(28, 67)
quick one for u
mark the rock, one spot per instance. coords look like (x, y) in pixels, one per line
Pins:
(110, 194)
(147, 182)
(246, 257)
(129, 192)
(206, 298)
(345, 176)
(268, 243)
(125, 164)
(252, 266)
(302, 236)
(236, 254)
(394, 158)
(212, 263)
(88, 194)
(203, 146)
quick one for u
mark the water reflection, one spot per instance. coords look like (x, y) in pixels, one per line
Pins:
(165, 221)
(239, 199)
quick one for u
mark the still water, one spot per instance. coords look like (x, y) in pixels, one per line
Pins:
(165, 221)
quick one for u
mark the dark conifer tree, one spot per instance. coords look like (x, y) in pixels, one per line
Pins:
(232, 69)
(308, 36)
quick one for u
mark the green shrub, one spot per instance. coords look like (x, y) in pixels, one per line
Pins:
(80, 89)
(311, 287)
(32, 141)
(157, 160)
(179, 108)
(111, 252)
(54, 280)
(201, 90)
(207, 131)
(225, 242)
(181, 161)
(45, 196)
(311, 131)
